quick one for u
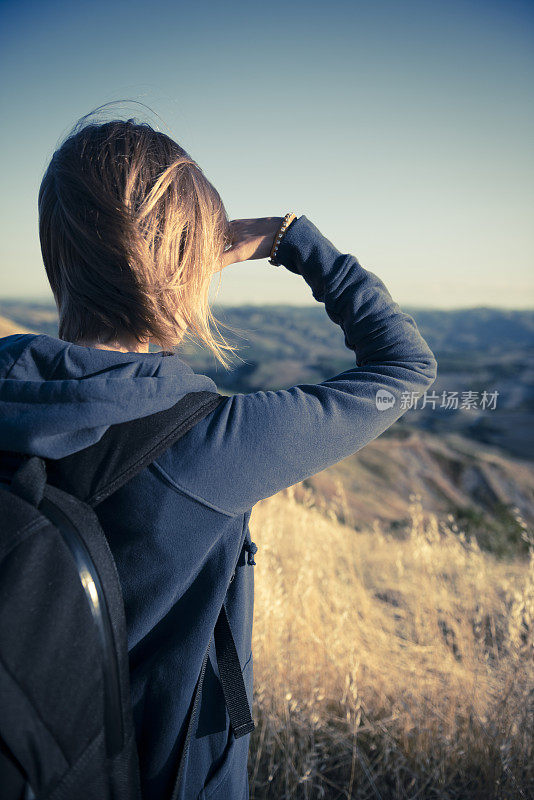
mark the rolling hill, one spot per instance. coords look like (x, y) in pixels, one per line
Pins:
(480, 487)
(474, 464)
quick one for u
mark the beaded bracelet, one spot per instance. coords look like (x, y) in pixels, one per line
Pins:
(288, 219)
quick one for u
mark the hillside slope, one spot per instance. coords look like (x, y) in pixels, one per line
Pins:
(478, 485)
(8, 327)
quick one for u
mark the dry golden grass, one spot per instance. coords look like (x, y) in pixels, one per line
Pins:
(386, 667)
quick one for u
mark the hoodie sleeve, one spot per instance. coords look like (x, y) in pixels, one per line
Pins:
(253, 445)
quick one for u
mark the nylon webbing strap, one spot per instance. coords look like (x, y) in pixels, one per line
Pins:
(233, 685)
(231, 676)
(189, 730)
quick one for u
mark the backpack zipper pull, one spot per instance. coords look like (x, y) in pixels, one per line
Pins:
(252, 548)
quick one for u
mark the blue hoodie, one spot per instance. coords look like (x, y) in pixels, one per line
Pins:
(179, 528)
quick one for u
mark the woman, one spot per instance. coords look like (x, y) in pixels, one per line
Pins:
(132, 233)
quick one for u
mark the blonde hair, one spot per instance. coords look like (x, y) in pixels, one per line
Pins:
(131, 232)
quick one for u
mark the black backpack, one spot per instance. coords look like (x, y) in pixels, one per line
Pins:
(66, 728)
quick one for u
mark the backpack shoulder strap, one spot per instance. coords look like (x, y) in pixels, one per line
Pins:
(125, 449)
(93, 474)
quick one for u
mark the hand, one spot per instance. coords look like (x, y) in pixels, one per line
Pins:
(251, 238)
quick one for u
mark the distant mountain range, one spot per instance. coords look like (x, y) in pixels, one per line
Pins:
(475, 463)
(479, 349)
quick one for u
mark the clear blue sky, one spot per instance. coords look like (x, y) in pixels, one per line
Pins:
(403, 130)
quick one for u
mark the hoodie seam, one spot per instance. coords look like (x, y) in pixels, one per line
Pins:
(178, 487)
(15, 360)
(56, 360)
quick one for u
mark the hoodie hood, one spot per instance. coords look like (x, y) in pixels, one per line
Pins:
(57, 398)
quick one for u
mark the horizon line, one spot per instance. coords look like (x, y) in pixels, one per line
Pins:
(45, 301)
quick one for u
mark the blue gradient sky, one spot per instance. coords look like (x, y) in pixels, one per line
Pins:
(403, 130)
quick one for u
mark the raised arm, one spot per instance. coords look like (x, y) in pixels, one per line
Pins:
(253, 445)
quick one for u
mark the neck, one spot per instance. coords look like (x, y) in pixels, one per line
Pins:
(122, 347)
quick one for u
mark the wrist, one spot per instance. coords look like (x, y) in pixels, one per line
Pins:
(289, 218)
